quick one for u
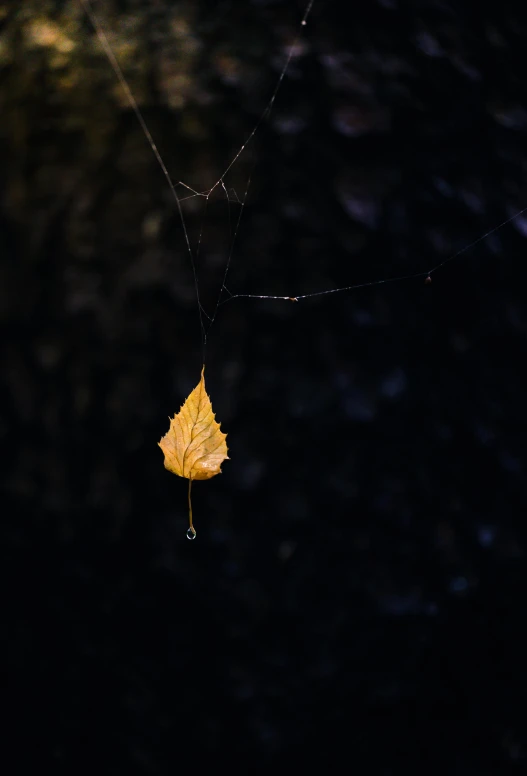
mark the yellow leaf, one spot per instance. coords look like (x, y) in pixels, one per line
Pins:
(194, 447)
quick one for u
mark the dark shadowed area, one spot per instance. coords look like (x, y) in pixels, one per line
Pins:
(357, 587)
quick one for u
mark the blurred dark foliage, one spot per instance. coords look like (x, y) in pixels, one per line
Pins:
(357, 587)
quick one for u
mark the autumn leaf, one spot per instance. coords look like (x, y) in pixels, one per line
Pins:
(194, 447)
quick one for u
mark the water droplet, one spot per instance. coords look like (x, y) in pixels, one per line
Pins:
(191, 533)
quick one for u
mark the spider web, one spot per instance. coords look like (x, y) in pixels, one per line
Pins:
(182, 192)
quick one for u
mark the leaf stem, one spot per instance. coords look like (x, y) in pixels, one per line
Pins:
(190, 507)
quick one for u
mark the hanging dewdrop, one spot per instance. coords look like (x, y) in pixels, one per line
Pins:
(194, 447)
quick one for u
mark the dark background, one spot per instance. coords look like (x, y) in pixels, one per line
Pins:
(357, 587)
